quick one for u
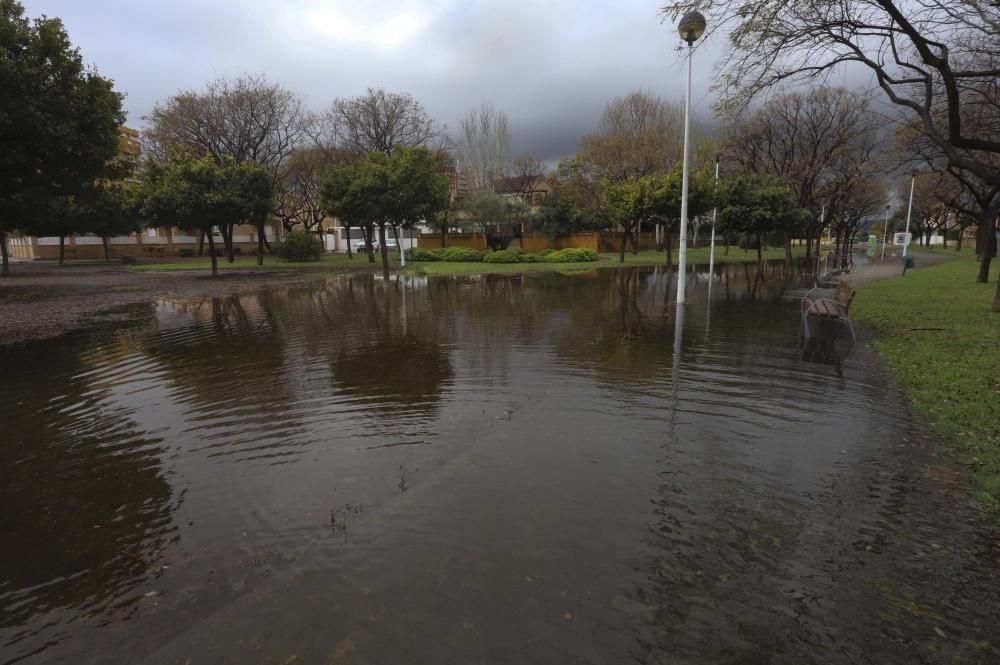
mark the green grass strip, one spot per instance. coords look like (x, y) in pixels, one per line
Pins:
(936, 329)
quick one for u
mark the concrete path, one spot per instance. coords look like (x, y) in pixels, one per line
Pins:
(889, 269)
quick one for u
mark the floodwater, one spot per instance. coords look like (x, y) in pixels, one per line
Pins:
(510, 469)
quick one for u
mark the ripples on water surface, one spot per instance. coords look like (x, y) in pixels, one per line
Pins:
(501, 469)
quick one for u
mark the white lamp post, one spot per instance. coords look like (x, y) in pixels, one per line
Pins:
(885, 231)
(691, 27)
(715, 212)
(909, 213)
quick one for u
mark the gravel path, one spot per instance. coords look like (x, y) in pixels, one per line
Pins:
(41, 299)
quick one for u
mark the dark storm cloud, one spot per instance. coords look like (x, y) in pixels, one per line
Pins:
(551, 66)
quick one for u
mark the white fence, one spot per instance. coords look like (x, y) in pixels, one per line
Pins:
(88, 240)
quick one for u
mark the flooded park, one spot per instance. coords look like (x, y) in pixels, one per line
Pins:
(548, 468)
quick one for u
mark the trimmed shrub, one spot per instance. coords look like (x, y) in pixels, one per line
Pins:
(528, 257)
(418, 254)
(186, 253)
(300, 246)
(461, 255)
(503, 256)
(571, 255)
(546, 252)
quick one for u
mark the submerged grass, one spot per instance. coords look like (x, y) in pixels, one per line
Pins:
(358, 262)
(937, 331)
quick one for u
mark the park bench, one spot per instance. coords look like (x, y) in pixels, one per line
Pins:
(831, 304)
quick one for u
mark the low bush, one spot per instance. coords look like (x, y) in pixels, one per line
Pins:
(300, 246)
(546, 252)
(503, 256)
(571, 255)
(459, 255)
(186, 253)
(418, 254)
(528, 257)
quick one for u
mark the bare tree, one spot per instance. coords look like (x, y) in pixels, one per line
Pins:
(247, 118)
(641, 134)
(379, 121)
(298, 199)
(525, 174)
(809, 140)
(937, 60)
(483, 147)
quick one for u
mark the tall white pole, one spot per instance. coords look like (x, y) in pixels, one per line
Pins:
(885, 232)
(715, 212)
(909, 212)
(682, 253)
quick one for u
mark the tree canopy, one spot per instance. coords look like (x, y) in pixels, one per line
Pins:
(204, 193)
(386, 190)
(58, 119)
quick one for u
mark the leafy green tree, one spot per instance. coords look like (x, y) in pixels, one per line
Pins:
(629, 203)
(498, 218)
(557, 216)
(205, 193)
(754, 206)
(386, 190)
(106, 211)
(667, 201)
(58, 119)
(181, 191)
(247, 195)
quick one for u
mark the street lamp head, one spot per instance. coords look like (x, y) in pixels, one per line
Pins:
(691, 27)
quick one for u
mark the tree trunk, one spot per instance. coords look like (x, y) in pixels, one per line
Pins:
(788, 247)
(670, 249)
(62, 248)
(366, 231)
(996, 297)
(958, 243)
(201, 243)
(989, 250)
(5, 260)
(399, 245)
(260, 244)
(760, 258)
(635, 240)
(230, 253)
(621, 254)
(944, 239)
(444, 237)
(107, 254)
(725, 237)
(384, 251)
(211, 251)
(347, 231)
(809, 245)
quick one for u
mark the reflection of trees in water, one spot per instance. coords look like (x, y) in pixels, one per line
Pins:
(378, 340)
(86, 507)
(392, 346)
(230, 357)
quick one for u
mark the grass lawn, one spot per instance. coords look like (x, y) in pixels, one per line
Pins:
(937, 331)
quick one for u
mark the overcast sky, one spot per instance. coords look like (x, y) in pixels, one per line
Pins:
(551, 65)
